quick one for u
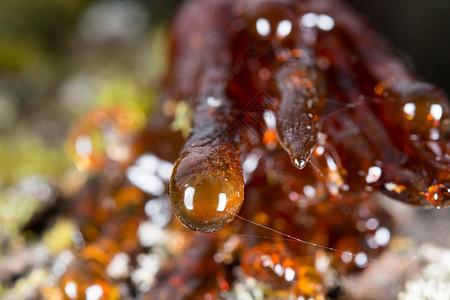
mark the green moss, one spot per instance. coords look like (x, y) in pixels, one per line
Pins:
(23, 153)
(15, 210)
(183, 118)
(127, 92)
(17, 54)
(38, 18)
(59, 237)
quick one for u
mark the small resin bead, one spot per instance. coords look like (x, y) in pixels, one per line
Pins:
(310, 283)
(104, 136)
(272, 263)
(425, 110)
(207, 188)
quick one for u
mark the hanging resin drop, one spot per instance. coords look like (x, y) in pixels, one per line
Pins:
(207, 188)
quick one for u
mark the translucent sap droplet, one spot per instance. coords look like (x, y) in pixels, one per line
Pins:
(207, 188)
(438, 195)
(299, 163)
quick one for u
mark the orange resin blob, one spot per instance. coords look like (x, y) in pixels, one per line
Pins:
(271, 263)
(310, 284)
(104, 136)
(207, 188)
(87, 280)
(425, 109)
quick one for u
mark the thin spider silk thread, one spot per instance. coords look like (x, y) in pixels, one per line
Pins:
(290, 237)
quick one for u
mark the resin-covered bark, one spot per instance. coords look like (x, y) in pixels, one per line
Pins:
(302, 113)
(376, 124)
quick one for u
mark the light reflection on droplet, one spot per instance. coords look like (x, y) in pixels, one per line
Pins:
(270, 119)
(436, 111)
(309, 191)
(83, 145)
(319, 150)
(299, 163)
(361, 259)
(213, 102)
(322, 262)
(333, 188)
(250, 163)
(346, 257)
(372, 224)
(150, 235)
(159, 211)
(165, 170)
(289, 274)
(392, 187)
(373, 174)
(372, 243)
(266, 261)
(309, 20)
(153, 206)
(409, 109)
(149, 162)
(94, 292)
(147, 182)
(284, 28)
(331, 164)
(189, 198)
(278, 270)
(382, 236)
(222, 202)
(118, 267)
(325, 22)
(71, 289)
(263, 26)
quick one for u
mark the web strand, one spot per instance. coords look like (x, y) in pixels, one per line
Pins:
(290, 237)
(287, 237)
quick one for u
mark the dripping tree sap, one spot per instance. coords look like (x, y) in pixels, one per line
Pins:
(302, 116)
(342, 98)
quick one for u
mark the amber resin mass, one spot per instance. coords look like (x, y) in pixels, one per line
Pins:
(335, 93)
(302, 116)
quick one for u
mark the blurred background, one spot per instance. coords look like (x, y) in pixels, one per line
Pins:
(60, 59)
(419, 29)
